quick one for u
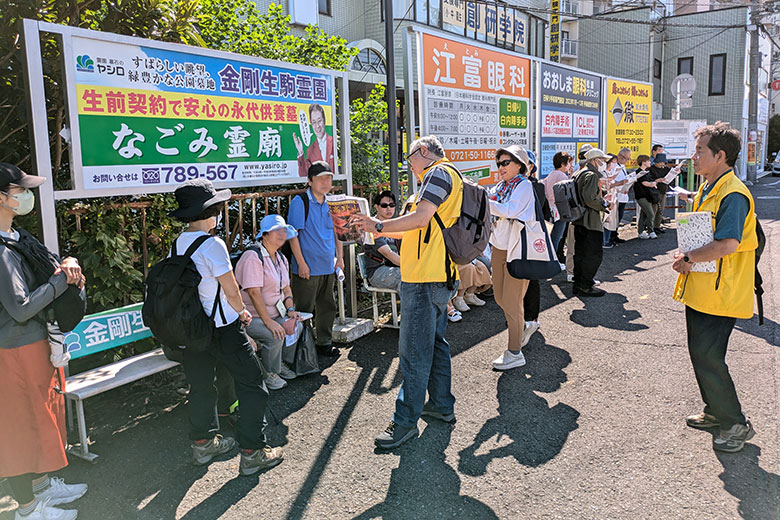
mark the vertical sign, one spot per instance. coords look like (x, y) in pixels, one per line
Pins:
(475, 100)
(570, 114)
(555, 30)
(629, 117)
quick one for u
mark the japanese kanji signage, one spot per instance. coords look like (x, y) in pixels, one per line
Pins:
(475, 100)
(555, 30)
(505, 24)
(629, 117)
(570, 114)
(149, 117)
(105, 330)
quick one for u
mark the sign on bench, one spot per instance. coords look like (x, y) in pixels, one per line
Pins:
(107, 329)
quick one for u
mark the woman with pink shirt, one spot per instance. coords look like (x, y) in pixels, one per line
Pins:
(264, 277)
(562, 162)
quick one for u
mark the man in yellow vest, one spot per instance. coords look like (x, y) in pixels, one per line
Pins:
(428, 281)
(713, 301)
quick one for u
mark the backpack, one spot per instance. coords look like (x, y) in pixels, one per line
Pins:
(467, 238)
(172, 308)
(286, 249)
(757, 286)
(567, 200)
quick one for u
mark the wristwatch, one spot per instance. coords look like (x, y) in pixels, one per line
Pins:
(379, 226)
(687, 260)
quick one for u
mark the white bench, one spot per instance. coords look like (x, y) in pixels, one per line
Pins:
(361, 261)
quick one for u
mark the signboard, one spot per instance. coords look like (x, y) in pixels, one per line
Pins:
(751, 153)
(629, 117)
(149, 116)
(105, 330)
(555, 30)
(503, 23)
(676, 137)
(475, 100)
(570, 114)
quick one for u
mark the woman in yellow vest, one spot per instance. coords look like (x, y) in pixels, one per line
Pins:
(714, 300)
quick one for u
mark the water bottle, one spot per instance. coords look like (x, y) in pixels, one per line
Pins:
(340, 274)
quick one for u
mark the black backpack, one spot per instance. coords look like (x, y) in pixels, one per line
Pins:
(172, 308)
(567, 200)
(286, 249)
(757, 286)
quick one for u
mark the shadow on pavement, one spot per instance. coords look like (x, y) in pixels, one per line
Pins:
(536, 431)
(756, 488)
(608, 311)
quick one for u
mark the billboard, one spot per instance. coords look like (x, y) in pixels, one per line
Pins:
(570, 114)
(475, 100)
(676, 136)
(629, 117)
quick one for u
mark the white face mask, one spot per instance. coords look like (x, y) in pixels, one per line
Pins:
(26, 201)
(602, 167)
(217, 220)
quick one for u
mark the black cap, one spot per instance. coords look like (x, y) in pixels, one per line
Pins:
(195, 196)
(318, 168)
(11, 174)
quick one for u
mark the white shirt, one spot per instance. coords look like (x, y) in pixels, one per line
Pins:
(323, 144)
(520, 206)
(212, 261)
(621, 190)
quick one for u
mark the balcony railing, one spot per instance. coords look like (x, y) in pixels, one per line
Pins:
(568, 49)
(570, 7)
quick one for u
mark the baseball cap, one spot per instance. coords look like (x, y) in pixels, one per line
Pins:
(318, 168)
(12, 174)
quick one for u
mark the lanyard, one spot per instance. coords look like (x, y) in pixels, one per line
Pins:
(277, 266)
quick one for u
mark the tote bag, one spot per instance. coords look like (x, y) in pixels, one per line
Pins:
(531, 256)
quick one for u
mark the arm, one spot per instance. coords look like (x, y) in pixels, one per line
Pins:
(521, 201)
(715, 250)
(390, 255)
(339, 251)
(256, 295)
(233, 295)
(591, 193)
(15, 297)
(393, 227)
(303, 267)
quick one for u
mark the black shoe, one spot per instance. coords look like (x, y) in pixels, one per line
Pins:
(328, 350)
(590, 291)
(430, 411)
(394, 436)
(487, 292)
(659, 230)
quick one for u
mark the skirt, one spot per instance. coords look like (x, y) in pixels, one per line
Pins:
(32, 430)
(474, 278)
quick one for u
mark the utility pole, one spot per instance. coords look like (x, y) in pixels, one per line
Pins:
(755, 62)
(392, 118)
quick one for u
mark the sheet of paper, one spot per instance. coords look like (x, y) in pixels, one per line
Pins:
(694, 230)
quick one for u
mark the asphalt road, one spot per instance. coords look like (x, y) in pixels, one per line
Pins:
(591, 428)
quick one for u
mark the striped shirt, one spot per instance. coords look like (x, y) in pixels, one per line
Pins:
(437, 185)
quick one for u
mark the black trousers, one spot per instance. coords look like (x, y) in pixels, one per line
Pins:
(232, 348)
(708, 338)
(587, 255)
(531, 301)
(22, 488)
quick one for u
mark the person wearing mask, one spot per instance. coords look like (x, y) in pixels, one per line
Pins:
(622, 185)
(588, 230)
(200, 207)
(427, 284)
(322, 147)
(32, 430)
(263, 274)
(610, 173)
(646, 195)
(383, 263)
(510, 200)
(659, 169)
(584, 149)
(317, 253)
(562, 162)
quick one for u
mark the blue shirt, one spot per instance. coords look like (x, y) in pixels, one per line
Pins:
(318, 243)
(730, 219)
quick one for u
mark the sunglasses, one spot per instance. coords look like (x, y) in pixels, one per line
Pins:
(505, 162)
(384, 205)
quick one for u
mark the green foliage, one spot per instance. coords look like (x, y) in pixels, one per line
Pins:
(773, 140)
(368, 122)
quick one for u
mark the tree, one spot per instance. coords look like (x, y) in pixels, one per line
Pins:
(773, 140)
(368, 122)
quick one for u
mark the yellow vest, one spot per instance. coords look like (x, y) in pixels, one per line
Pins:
(729, 290)
(423, 253)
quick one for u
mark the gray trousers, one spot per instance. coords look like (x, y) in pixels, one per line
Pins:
(268, 347)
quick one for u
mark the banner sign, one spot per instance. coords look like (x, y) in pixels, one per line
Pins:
(570, 114)
(475, 100)
(105, 330)
(555, 30)
(629, 118)
(505, 24)
(151, 116)
(676, 136)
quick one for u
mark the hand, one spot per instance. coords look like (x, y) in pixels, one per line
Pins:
(680, 265)
(276, 329)
(298, 144)
(294, 315)
(304, 271)
(340, 263)
(364, 222)
(687, 197)
(70, 266)
(245, 317)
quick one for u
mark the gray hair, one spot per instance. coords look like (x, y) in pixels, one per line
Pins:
(431, 142)
(625, 149)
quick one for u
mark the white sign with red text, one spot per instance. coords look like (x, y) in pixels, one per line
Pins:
(586, 125)
(556, 124)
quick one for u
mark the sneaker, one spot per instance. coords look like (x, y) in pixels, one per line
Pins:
(702, 421)
(429, 411)
(59, 492)
(217, 446)
(460, 304)
(454, 316)
(528, 331)
(570, 278)
(734, 438)
(596, 282)
(274, 382)
(659, 230)
(260, 460)
(643, 235)
(653, 235)
(509, 360)
(395, 435)
(44, 511)
(473, 300)
(287, 373)
(563, 266)
(607, 246)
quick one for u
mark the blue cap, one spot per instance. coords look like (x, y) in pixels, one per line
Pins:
(274, 222)
(531, 157)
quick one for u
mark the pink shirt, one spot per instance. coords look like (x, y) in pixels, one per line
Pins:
(251, 272)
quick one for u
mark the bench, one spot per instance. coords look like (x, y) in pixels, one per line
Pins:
(361, 261)
(97, 333)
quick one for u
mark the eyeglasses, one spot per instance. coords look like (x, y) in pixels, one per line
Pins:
(505, 162)
(384, 205)
(412, 153)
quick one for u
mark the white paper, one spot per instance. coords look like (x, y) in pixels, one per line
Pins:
(671, 175)
(291, 339)
(695, 230)
(681, 191)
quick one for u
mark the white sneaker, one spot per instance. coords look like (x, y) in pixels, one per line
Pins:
(563, 267)
(509, 360)
(644, 236)
(472, 299)
(528, 331)
(455, 317)
(61, 493)
(570, 278)
(274, 382)
(653, 235)
(596, 282)
(287, 373)
(44, 511)
(460, 304)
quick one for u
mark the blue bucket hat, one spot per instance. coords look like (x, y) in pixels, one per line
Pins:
(274, 222)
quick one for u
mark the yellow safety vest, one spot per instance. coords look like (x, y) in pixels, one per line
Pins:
(729, 290)
(423, 253)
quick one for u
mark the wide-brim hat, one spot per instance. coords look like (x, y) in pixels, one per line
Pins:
(661, 157)
(595, 153)
(12, 174)
(274, 222)
(517, 152)
(195, 196)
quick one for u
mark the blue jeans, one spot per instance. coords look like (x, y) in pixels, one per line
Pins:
(423, 352)
(557, 235)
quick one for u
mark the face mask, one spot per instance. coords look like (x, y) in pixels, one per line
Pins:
(26, 201)
(602, 167)
(217, 220)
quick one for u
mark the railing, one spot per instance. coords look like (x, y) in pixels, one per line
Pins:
(569, 48)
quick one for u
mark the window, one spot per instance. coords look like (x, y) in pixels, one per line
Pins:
(368, 60)
(657, 69)
(684, 65)
(717, 75)
(324, 6)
